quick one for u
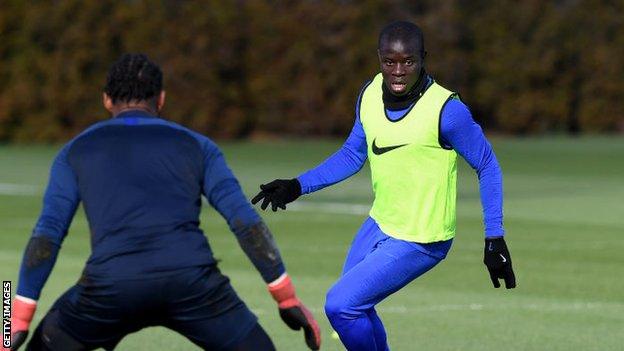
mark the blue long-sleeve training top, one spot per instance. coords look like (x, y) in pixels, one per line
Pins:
(458, 130)
(140, 179)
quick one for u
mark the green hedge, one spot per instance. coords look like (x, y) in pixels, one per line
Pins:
(237, 68)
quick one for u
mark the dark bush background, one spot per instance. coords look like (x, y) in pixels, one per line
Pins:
(235, 69)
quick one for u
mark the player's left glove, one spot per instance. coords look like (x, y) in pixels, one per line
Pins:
(498, 261)
(21, 316)
(278, 193)
(294, 313)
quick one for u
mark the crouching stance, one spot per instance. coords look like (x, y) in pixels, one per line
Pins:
(140, 179)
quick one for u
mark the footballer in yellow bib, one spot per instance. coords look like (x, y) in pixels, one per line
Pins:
(410, 128)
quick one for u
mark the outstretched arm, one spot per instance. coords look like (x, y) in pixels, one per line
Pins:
(225, 194)
(460, 132)
(59, 206)
(345, 162)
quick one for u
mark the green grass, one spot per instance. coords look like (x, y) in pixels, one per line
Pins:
(564, 214)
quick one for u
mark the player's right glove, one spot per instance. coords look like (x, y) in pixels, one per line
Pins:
(498, 261)
(278, 193)
(21, 316)
(294, 313)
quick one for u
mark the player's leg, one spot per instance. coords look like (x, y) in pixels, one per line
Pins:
(204, 307)
(256, 339)
(49, 336)
(392, 265)
(379, 331)
(98, 314)
(366, 240)
(61, 328)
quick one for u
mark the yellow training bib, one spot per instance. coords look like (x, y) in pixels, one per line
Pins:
(414, 178)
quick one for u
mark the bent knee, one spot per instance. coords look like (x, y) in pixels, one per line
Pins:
(338, 305)
(332, 304)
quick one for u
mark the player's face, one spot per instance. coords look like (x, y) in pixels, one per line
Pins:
(400, 66)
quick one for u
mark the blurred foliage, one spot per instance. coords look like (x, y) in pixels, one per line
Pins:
(239, 68)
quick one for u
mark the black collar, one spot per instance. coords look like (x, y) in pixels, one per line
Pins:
(393, 102)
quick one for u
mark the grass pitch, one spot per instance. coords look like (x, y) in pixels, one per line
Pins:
(564, 215)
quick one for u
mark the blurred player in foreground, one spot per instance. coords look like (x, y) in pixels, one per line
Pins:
(140, 179)
(410, 129)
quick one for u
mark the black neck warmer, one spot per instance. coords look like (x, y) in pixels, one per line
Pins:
(394, 102)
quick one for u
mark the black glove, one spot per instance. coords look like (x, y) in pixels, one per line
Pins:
(18, 339)
(300, 317)
(278, 193)
(498, 261)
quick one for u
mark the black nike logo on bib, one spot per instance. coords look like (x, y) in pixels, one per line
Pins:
(382, 150)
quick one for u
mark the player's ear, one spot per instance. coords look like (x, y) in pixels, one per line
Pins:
(161, 101)
(107, 102)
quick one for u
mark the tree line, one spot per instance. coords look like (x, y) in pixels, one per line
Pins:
(236, 69)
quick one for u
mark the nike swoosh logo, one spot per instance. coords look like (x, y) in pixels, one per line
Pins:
(382, 150)
(503, 257)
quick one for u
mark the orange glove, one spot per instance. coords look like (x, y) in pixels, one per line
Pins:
(21, 316)
(293, 312)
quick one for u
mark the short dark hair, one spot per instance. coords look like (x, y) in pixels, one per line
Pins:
(133, 77)
(404, 31)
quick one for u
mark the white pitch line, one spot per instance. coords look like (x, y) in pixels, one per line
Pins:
(343, 208)
(18, 189)
(329, 207)
(340, 208)
(541, 307)
(573, 306)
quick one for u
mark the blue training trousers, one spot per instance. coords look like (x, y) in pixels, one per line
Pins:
(376, 266)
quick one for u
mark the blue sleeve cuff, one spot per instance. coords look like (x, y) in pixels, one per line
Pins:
(305, 181)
